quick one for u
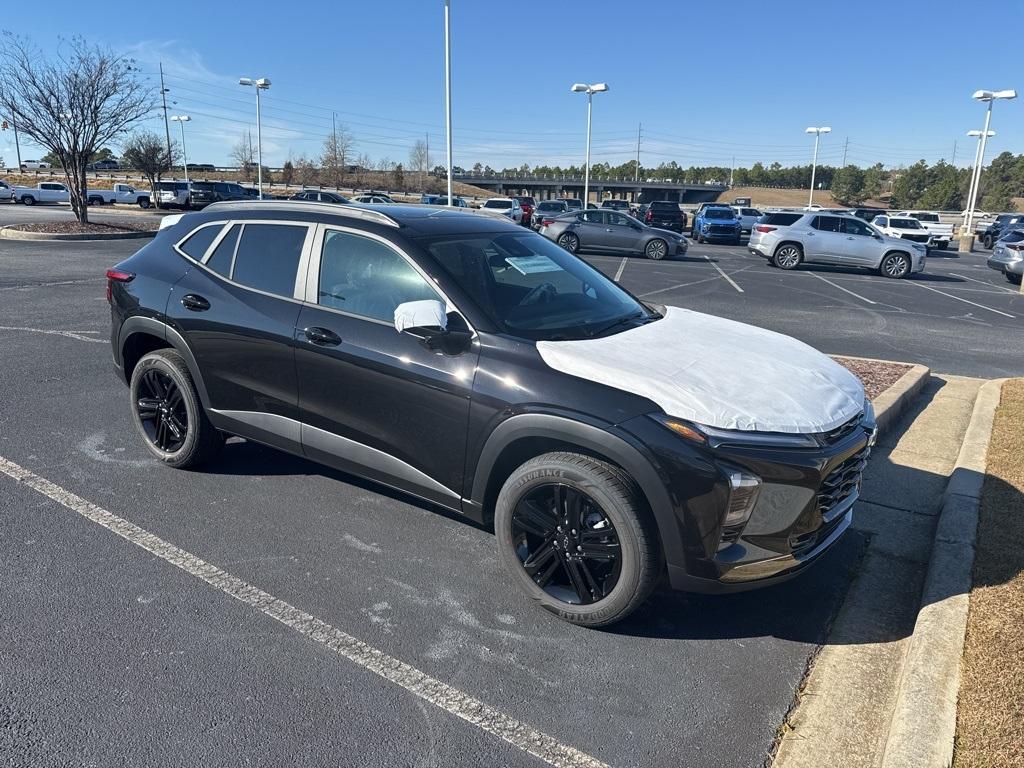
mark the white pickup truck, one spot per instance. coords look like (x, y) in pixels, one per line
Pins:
(43, 192)
(941, 233)
(121, 193)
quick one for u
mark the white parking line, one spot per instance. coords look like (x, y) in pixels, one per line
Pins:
(999, 288)
(731, 281)
(844, 290)
(69, 334)
(622, 266)
(430, 689)
(965, 301)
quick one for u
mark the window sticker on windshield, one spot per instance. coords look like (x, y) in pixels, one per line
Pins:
(529, 265)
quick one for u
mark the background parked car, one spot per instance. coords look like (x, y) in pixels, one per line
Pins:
(665, 214)
(44, 192)
(457, 202)
(603, 230)
(205, 192)
(843, 240)
(528, 204)
(319, 195)
(574, 203)
(622, 206)
(941, 233)
(103, 165)
(426, 199)
(547, 210)
(1002, 223)
(507, 206)
(1008, 255)
(748, 218)
(6, 192)
(717, 223)
(33, 165)
(375, 199)
(867, 214)
(903, 228)
(173, 194)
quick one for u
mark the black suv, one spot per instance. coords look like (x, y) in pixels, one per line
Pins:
(665, 214)
(206, 192)
(446, 354)
(1003, 223)
(617, 205)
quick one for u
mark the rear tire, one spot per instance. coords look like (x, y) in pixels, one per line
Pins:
(144, 203)
(168, 413)
(606, 545)
(28, 200)
(788, 256)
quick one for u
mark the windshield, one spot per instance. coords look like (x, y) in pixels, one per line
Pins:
(498, 204)
(532, 288)
(719, 213)
(905, 224)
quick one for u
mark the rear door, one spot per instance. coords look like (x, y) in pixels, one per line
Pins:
(592, 229)
(373, 400)
(237, 307)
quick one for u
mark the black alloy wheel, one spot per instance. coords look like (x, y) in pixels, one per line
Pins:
(161, 409)
(569, 241)
(567, 544)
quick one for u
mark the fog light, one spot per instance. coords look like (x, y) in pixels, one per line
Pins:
(743, 492)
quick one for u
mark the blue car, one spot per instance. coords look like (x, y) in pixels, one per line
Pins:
(717, 223)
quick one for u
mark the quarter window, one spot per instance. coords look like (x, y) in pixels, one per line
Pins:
(365, 277)
(199, 242)
(222, 256)
(593, 217)
(268, 257)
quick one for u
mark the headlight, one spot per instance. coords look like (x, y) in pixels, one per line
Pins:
(705, 435)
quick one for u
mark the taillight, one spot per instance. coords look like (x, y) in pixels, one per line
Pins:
(1015, 246)
(546, 222)
(765, 230)
(117, 276)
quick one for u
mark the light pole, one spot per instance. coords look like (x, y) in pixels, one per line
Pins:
(814, 163)
(974, 175)
(261, 85)
(448, 89)
(590, 90)
(990, 97)
(181, 120)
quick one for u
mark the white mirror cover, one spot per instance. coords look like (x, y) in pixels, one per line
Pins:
(717, 372)
(428, 313)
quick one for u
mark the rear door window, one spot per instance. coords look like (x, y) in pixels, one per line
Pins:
(828, 224)
(199, 242)
(268, 256)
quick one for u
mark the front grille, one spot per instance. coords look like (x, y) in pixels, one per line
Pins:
(837, 434)
(842, 481)
(721, 229)
(917, 238)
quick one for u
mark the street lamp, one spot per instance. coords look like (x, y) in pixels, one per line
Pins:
(990, 97)
(814, 163)
(181, 120)
(261, 85)
(590, 90)
(974, 168)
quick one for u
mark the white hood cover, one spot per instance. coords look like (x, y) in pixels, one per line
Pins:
(717, 372)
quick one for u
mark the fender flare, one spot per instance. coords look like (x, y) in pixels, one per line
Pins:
(601, 441)
(160, 329)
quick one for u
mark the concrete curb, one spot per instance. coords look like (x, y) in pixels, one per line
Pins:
(923, 724)
(9, 233)
(891, 404)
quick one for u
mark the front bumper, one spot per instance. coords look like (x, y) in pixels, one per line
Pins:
(1006, 266)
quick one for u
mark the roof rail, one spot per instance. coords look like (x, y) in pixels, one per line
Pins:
(313, 207)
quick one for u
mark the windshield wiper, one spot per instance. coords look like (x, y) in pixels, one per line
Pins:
(620, 321)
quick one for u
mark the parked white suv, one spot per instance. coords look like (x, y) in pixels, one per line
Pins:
(903, 228)
(788, 239)
(507, 206)
(941, 233)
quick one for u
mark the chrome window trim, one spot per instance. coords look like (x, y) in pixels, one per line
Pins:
(304, 256)
(313, 274)
(206, 254)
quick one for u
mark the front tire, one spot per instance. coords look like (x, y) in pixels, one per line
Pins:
(788, 256)
(1015, 279)
(168, 414)
(987, 241)
(576, 536)
(569, 241)
(656, 249)
(895, 266)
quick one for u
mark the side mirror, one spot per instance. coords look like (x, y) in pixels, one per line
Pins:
(423, 316)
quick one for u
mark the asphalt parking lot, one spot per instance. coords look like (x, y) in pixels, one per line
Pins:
(118, 651)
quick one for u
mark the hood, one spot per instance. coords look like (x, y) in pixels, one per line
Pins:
(717, 372)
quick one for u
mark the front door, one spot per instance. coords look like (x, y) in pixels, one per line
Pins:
(826, 243)
(373, 400)
(862, 243)
(620, 234)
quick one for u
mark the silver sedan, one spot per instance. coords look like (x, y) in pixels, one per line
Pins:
(607, 231)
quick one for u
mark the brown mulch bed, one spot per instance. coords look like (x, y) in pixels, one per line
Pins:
(74, 228)
(876, 376)
(990, 708)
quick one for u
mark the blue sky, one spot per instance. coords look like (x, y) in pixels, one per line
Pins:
(708, 81)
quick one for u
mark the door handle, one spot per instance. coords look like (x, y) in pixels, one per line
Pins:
(195, 302)
(850, 237)
(321, 336)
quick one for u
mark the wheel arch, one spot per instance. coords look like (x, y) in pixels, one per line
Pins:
(520, 438)
(141, 335)
(781, 243)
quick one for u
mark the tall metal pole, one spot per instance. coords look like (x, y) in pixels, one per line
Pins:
(814, 167)
(977, 170)
(846, 146)
(732, 170)
(334, 146)
(636, 174)
(970, 192)
(167, 125)
(184, 155)
(586, 167)
(953, 161)
(259, 147)
(448, 89)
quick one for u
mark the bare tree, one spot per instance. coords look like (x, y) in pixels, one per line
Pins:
(244, 156)
(72, 103)
(419, 157)
(335, 154)
(146, 152)
(306, 172)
